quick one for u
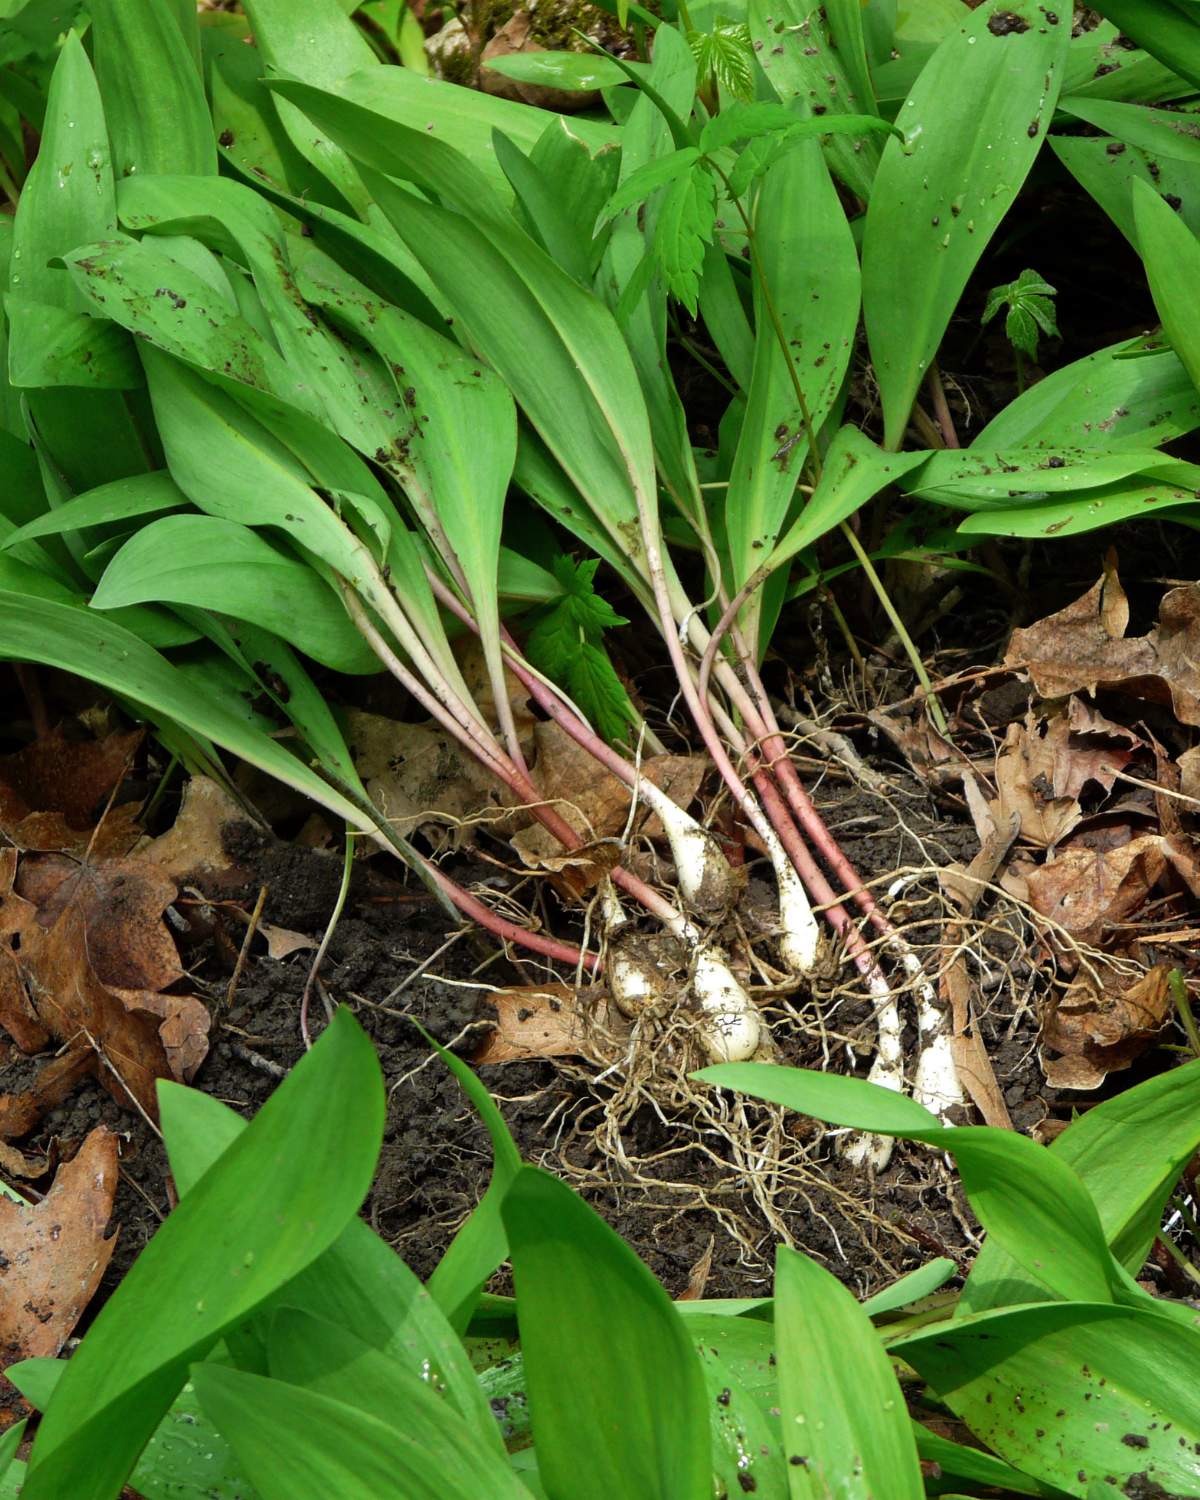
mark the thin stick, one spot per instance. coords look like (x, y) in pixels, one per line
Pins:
(244, 951)
(327, 937)
(941, 407)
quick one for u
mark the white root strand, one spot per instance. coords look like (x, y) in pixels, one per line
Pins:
(869, 1150)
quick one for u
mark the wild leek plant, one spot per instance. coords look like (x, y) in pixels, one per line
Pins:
(268, 1345)
(286, 324)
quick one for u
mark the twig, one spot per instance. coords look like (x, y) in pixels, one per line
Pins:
(243, 953)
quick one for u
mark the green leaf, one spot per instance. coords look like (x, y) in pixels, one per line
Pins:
(982, 478)
(973, 124)
(1108, 175)
(293, 1442)
(85, 643)
(739, 122)
(1171, 254)
(725, 54)
(376, 115)
(276, 1199)
(1101, 401)
(575, 72)
(122, 500)
(807, 254)
(1163, 132)
(802, 63)
(322, 1356)
(1113, 1388)
(1129, 1152)
(911, 1287)
(639, 185)
(1106, 505)
(844, 1415)
(9, 1444)
(684, 230)
(217, 564)
(975, 1467)
(632, 1424)
(158, 118)
(855, 470)
(1165, 29)
(481, 1244)
(312, 40)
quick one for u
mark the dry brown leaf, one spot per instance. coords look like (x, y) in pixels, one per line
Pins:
(17, 917)
(194, 847)
(54, 792)
(546, 1022)
(1086, 890)
(282, 942)
(20, 1112)
(16, 1164)
(1103, 1022)
(74, 1005)
(55, 1252)
(1084, 647)
(422, 778)
(1189, 773)
(1045, 764)
(122, 902)
(595, 804)
(185, 1023)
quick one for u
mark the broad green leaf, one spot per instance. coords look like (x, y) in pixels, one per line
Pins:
(293, 1443)
(457, 443)
(481, 1244)
(911, 1287)
(1165, 29)
(312, 40)
(807, 254)
(1030, 1200)
(369, 113)
(581, 182)
(854, 471)
(972, 1465)
(217, 564)
(973, 124)
(1129, 1152)
(576, 72)
(154, 102)
(323, 1356)
(632, 1424)
(1108, 175)
(843, 1413)
(557, 349)
(1164, 132)
(847, 23)
(1101, 401)
(1107, 505)
(9, 1444)
(276, 1199)
(543, 213)
(797, 54)
(1171, 254)
(85, 643)
(122, 500)
(67, 200)
(724, 315)
(1074, 1392)
(990, 479)
(358, 1283)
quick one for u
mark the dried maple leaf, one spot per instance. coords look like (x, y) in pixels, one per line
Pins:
(17, 917)
(1104, 1021)
(194, 847)
(55, 1252)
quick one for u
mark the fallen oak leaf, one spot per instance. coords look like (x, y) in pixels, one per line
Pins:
(17, 917)
(1105, 1020)
(55, 1252)
(282, 942)
(194, 847)
(185, 1023)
